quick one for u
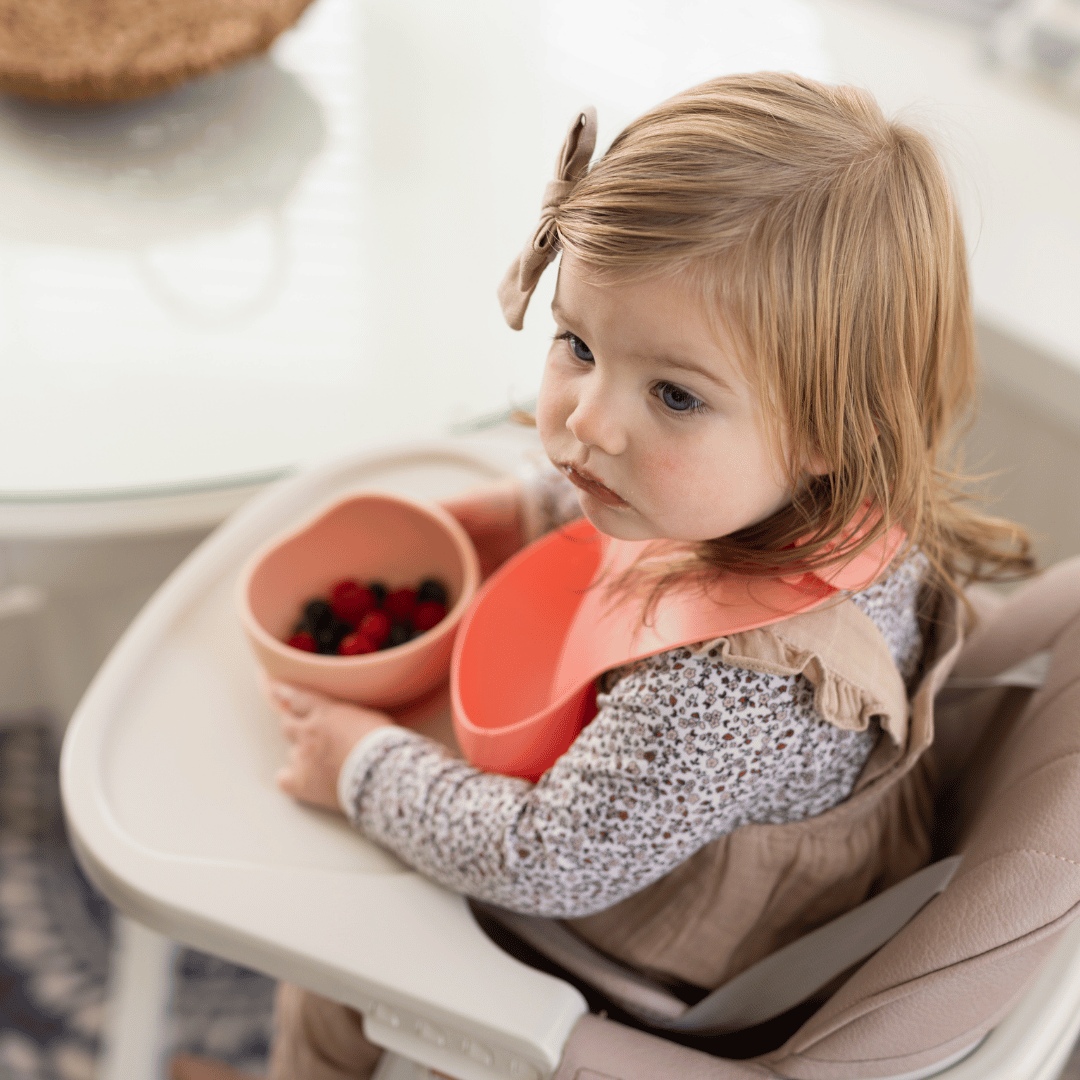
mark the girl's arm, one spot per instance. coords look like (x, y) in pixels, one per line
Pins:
(493, 517)
(502, 517)
(321, 734)
(681, 751)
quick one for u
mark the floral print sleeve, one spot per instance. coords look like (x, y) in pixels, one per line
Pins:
(682, 750)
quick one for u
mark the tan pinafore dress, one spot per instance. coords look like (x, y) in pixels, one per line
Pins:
(747, 894)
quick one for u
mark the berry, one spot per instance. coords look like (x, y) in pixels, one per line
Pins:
(428, 614)
(400, 603)
(351, 601)
(356, 644)
(399, 633)
(359, 619)
(317, 614)
(375, 625)
(432, 589)
(330, 636)
(302, 640)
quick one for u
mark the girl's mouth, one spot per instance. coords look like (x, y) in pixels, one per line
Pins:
(591, 485)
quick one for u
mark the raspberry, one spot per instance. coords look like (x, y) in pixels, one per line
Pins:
(355, 644)
(400, 604)
(303, 641)
(351, 601)
(375, 625)
(429, 613)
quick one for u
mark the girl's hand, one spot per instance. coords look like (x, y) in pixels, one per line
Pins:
(490, 516)
(321, 732)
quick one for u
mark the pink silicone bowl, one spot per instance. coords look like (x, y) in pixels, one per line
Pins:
(368, 536)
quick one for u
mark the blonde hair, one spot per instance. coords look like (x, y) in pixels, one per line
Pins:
(828, 242)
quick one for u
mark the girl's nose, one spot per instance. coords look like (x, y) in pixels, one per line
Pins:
(596, 421)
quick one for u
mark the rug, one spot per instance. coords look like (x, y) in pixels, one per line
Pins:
(55, 940)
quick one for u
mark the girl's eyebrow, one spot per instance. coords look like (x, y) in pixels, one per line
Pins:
(696, 369)
(557, 312)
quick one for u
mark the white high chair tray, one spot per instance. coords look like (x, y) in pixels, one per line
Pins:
(168, 782)
(167, 776)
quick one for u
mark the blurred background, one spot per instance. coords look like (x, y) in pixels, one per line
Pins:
(295, 258)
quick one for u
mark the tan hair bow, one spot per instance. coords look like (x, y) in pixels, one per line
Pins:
(524, 273)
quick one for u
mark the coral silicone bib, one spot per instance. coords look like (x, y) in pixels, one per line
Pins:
(537, 637)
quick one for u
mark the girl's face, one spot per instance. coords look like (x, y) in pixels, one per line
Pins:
(651, 416)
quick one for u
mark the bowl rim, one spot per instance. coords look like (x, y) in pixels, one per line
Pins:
(469, 583)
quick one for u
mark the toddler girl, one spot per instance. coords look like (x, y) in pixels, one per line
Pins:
(763, 342)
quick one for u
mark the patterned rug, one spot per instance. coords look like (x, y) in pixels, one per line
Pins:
(55, 940)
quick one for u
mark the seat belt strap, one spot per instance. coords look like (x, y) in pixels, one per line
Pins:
(781, 981)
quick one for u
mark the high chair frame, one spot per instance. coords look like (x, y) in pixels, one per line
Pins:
(167, 779)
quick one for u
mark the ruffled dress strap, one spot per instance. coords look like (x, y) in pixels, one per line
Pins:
(841, 653)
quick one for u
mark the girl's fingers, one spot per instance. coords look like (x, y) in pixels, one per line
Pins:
(285, 779)
(293, 726)
(308, 782)
(290, 699)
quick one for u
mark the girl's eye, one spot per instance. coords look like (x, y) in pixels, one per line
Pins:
(578, 347)
(677, 399)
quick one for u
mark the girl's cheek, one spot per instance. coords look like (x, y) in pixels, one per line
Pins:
(679, 475)
(549, 404)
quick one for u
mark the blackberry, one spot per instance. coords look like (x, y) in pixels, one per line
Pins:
(432, 589)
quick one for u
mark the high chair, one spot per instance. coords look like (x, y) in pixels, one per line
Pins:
(167, 778)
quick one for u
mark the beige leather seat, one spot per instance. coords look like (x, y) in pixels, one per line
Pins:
(1009, 761)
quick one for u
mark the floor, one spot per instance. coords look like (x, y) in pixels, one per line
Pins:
(1072, 1067)
(55, 942)
(1036, 467)
(1026, 442)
